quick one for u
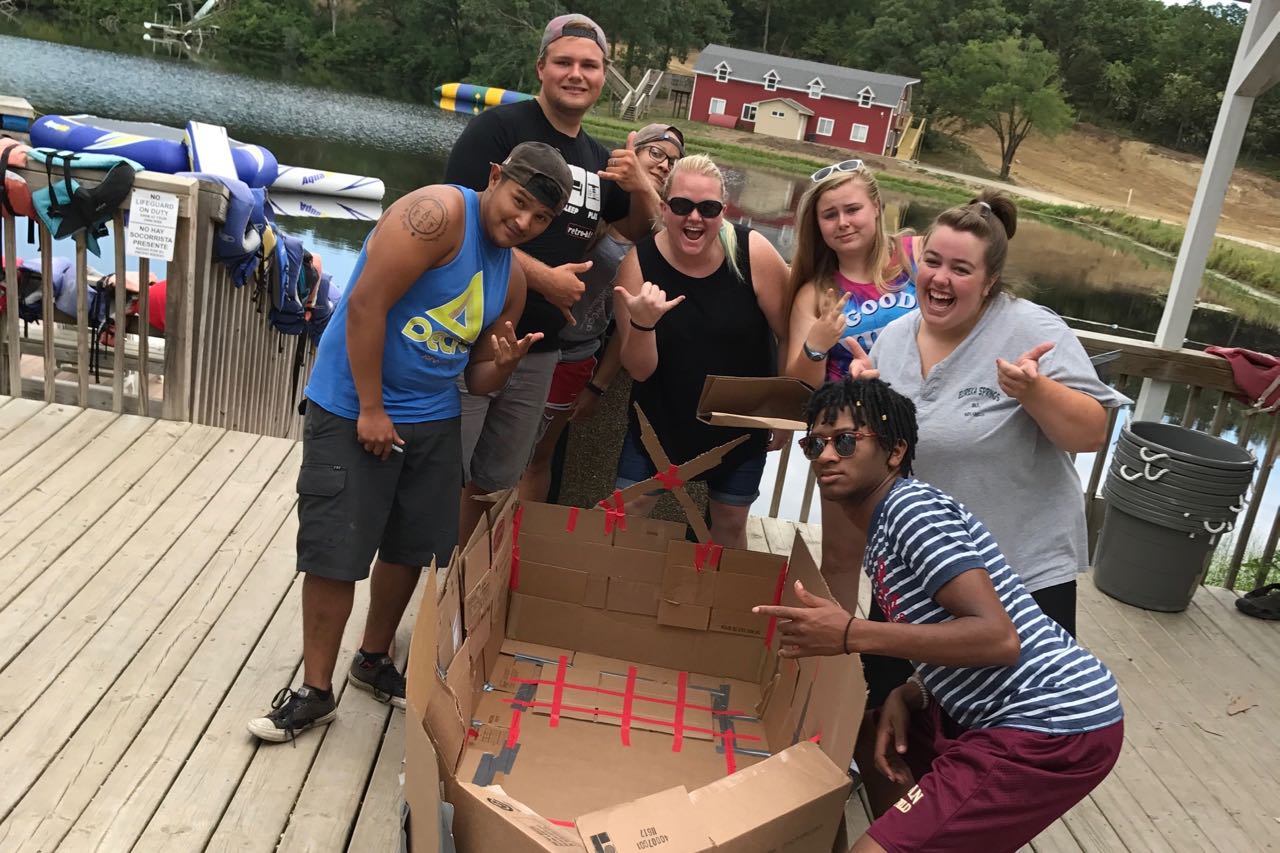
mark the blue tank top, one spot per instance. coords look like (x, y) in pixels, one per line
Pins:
(430, 332)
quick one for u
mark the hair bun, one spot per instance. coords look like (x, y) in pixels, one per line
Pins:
(1001, 207)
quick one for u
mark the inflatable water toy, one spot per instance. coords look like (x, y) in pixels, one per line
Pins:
(489, 96)
(465, 107)
(167, 149)
(288, 204)
(156, 146)
(321, 182)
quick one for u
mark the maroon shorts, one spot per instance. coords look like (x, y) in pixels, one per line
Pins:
(570, 378)
(986, 790)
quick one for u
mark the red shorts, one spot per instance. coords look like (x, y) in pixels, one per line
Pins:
(989, 790)
(570, 378)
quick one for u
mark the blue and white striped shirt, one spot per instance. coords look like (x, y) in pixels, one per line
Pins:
(920, 540)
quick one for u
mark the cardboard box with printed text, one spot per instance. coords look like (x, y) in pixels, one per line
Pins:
(611, 690)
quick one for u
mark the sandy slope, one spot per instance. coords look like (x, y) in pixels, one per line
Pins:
(1098, 168)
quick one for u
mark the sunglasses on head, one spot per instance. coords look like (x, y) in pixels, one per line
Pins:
(845, 443)
(842, 166)
(709, 209)
(657, 155)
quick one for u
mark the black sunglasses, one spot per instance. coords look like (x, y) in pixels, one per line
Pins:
(842, 166)
(709, 209)
(845, 443)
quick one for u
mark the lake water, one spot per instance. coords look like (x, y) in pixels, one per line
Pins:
(1095, 280)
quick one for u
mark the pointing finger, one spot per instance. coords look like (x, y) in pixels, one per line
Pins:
(1036, 352)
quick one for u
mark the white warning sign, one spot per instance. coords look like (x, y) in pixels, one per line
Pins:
(153, 225)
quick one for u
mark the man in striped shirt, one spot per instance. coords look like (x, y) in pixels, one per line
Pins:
(1006, 722)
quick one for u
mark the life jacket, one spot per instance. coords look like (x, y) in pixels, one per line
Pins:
(15, 194)
(67, 208)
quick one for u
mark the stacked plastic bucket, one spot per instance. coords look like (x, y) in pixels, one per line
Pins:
(1171, 492)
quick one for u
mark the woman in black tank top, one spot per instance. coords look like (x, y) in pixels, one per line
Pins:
(701, 298)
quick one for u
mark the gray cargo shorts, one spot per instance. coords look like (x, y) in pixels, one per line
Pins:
(499, 429)
(353, 505)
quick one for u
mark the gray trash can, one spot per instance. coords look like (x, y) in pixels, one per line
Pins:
(1171, 493)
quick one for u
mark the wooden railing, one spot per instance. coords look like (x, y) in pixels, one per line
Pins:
(1203, 395)
(218, 361)
(63, 342)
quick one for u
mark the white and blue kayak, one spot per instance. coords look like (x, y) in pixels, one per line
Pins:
(167, 149)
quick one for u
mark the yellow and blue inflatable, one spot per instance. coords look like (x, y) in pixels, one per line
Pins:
(485, 96)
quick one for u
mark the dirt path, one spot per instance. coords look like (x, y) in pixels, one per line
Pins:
(1093, 167)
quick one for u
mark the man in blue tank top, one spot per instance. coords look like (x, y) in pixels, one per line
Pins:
(1006, 722)
(434, 295)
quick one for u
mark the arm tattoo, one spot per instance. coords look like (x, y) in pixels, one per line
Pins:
(426, 219)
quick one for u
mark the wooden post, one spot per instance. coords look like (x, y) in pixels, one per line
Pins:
(180, 313)
(82, 321)
(12, 334)
(48, 324)
(144, 336)
(1253, 72)
(117, 363)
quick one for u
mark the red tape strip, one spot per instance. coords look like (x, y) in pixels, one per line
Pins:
(682, 684)
(614, 516)
(568, 823)
(572, 523)
(515, 548)
(614, 715)
(557, 696)
(730, 759)
(777, 599)
(691, 706)
(671, 479)
(513, 736)
(707, 554)
(627, 700)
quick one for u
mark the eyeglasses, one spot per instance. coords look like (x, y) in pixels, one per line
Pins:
(842, 166)
(709, 209)
(657, 155)
(845, 443)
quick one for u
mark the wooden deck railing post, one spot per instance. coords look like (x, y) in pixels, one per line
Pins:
(13, 340)
(180, 309)
(1251, 514)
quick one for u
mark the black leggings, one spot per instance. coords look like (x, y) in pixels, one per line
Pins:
(883, 674)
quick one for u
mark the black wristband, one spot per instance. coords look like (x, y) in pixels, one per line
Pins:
(844, 641)
(638, 327)
(595, 389)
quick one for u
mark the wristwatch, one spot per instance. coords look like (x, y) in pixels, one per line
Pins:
(811, 353)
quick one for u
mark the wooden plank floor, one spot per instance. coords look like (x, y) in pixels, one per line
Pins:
(148, 607)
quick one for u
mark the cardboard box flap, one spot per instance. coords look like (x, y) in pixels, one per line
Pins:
(665, 821)
(775, 402)
(490, 819)
(421, 666)
(778, 804)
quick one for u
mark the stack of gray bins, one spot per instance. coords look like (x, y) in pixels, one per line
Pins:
(1171, 492)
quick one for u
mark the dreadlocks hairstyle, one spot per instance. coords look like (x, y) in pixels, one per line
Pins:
(875, 406)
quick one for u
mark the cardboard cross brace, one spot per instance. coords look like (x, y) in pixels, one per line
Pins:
(673, 477)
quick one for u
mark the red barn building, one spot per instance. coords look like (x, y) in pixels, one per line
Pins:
(798, 99)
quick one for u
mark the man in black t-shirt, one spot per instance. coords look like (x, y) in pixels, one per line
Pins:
(498, 430)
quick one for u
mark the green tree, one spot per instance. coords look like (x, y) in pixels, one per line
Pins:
(1010, 86)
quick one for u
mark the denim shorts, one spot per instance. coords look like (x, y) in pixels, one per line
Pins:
(732, 486)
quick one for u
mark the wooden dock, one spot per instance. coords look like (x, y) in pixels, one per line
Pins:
(149, 607)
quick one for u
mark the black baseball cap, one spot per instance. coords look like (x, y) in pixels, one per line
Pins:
(541, 170)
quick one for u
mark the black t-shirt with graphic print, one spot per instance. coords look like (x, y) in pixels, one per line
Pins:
(489, 138)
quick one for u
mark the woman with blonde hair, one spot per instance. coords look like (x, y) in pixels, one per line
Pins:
(701, 297)
(850, 277)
